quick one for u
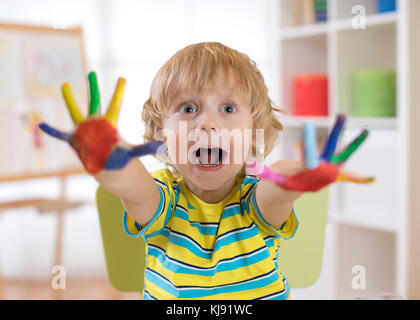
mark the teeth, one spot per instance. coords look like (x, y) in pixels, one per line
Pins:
(214, 156)
(209, 156)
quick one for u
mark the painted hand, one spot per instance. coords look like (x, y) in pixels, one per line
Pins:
(319, 171)
(95, 138)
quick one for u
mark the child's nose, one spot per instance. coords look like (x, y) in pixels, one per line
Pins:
(208, 124)
(208, 128)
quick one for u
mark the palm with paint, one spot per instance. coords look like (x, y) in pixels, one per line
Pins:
(95, 138)
(321, 170)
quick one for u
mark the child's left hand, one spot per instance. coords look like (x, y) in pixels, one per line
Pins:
(319, 171)
(95, 138)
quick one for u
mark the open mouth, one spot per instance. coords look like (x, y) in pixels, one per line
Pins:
(210, 157)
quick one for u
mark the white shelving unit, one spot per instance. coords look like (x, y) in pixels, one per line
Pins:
(376, 226)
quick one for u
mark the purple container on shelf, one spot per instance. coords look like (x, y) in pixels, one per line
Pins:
(386, 5)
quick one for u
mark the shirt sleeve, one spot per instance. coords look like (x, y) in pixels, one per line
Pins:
(286, 231)
(164, 181)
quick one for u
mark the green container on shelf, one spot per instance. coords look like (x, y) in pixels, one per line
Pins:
(374, 93)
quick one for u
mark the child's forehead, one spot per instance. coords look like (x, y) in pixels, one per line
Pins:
(225, 84)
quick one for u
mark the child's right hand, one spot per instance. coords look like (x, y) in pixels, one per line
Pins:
(95, 139)
(318, 171)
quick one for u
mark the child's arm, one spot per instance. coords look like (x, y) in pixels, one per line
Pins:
(294, 178)
(107, 157)
(274, 203)
(136, 188)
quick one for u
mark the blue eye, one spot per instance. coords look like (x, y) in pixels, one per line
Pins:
(188, 109)
(228, 108)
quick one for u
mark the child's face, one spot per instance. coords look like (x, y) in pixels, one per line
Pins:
(218, 117)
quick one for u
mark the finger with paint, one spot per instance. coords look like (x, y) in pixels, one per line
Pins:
(120, 156)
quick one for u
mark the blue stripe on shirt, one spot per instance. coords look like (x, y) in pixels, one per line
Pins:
(195, 248)
(280, 295)
(239, 261)
(198, 291)
(209, 228)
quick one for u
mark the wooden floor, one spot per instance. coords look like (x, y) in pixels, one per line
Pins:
(75, 290)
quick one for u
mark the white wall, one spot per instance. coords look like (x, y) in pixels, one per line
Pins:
(123, 38)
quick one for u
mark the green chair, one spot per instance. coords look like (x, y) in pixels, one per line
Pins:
(300, 258)
(124, 255)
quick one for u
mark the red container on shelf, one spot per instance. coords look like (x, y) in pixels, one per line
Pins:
(310, 96)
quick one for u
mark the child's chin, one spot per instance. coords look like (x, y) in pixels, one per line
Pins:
(210, 184)
(206, 174)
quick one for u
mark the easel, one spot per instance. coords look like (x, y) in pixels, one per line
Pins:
(43, 205)
(53, 41)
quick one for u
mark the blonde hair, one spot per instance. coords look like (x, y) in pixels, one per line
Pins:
(197, 65)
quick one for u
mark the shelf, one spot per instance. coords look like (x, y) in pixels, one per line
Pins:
(363, 221)
(338, 25)
(304, 31)
(372, 123)
(351, 123)
(297, 122)
(369, 221)
(371, 20)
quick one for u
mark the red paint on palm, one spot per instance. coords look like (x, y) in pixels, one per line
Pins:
(94, 140)
(312, 179)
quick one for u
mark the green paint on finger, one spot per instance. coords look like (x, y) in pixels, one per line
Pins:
(94, 94)
(351, 148)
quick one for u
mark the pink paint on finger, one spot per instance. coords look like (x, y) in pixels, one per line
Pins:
(266, 173)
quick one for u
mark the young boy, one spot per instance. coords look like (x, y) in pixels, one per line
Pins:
(212, 232)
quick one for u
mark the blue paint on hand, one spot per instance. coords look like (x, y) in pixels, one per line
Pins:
(310, 147)
(332, 140)
(54, 132)
(120, 156)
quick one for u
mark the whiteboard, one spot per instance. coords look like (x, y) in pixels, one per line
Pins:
(34, 62)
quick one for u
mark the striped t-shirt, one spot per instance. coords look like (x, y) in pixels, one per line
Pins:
(197, 250)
